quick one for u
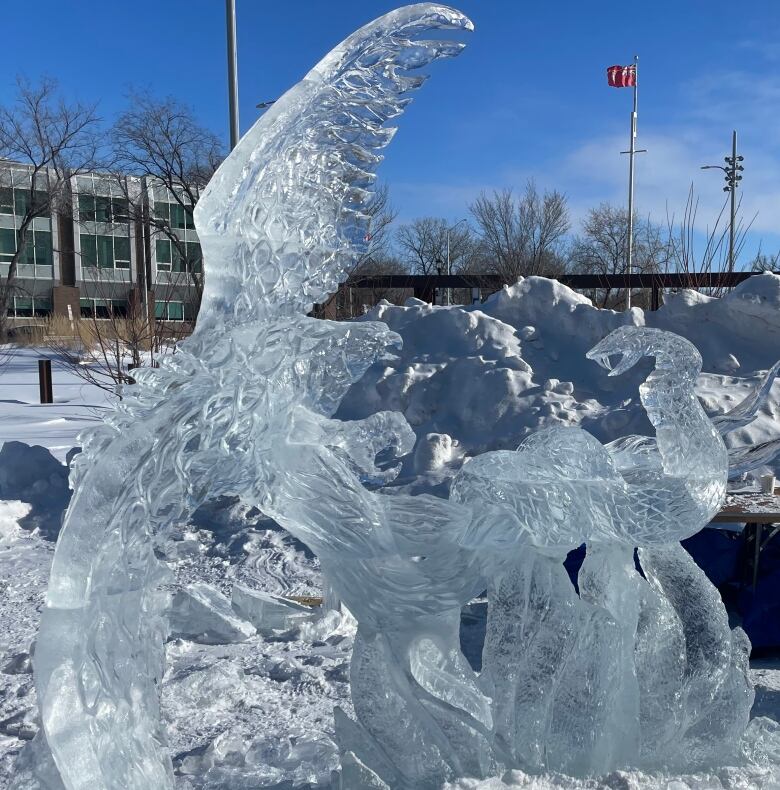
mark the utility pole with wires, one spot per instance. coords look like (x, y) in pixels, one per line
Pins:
(628, 77)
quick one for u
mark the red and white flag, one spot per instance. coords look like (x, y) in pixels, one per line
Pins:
(621, 76)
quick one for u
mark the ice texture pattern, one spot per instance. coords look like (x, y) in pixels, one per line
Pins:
(634, 669)
(243, 408)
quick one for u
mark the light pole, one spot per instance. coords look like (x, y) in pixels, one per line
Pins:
(449, 270)
(733, 177)
(230, 14)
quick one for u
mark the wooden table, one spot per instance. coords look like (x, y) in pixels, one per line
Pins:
(761, 514)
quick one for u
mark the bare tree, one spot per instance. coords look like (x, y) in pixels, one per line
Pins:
(525, 236)
(602, 248)
(52, 140)
(381, 216)
(113, 337)
(766, 263)
(161, 142)
(423, 245)
(353, 301)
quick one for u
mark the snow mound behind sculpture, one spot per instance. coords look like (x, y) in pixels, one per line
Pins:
(488, 375)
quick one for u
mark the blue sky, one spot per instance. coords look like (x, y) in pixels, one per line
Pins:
(528, 97)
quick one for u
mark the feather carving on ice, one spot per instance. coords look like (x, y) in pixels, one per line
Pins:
(234, 408)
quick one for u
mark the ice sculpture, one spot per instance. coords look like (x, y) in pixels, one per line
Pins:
(243, 408)
(638, 669)
(633, 670)
(746, 458)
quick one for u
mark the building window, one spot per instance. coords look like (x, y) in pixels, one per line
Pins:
(103, 308)
(105, 252)
(28, 307)
(7, 244)
(6, 200)
(43, 248)
(36, 250)
(163, 255)
(174, 214)
(122, 252)
(17, 201)
(169, 256)
(194, 256)
(41, 307)
(23, 307)
(169, 311)
(101, 208)
(88, 250)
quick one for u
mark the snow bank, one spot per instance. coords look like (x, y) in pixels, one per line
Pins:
(33, 475)
(485, 376)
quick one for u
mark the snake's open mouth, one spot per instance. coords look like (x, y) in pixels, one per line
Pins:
(603, 360)
(625, 359)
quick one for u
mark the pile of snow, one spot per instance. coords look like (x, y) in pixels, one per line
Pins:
(33, 475)
(55, 426)
(252, 677)
(482, 377)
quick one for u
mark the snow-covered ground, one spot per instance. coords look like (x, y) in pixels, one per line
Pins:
(258, 713)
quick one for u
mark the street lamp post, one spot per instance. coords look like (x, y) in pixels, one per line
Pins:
(449, 270)
(230, 13)
(732, 172)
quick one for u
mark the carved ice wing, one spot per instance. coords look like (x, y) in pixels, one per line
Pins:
(282, 215)
(746, 459)
(745, 411)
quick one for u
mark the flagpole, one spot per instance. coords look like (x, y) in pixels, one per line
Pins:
(631, 153)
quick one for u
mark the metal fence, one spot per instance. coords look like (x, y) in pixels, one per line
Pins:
(469, 288)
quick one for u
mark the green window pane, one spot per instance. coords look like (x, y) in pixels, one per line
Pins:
(43, 252)
(23, 307)
(102, 209)
(21, 201)
(159, 310)
(6, 200)
(87, 308)
(175, 311)
(105, 252)
(162, 211)
(163, 250)
(122, 248)
(177, 216)
(7, 244)
(87, 207)
(178, 261)
(189, 221)
(119, 308)
(41, 203)
(189, 311)
(120, 210)
(88, 250)
(41, 307)
(194, 256)
(28, 249)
